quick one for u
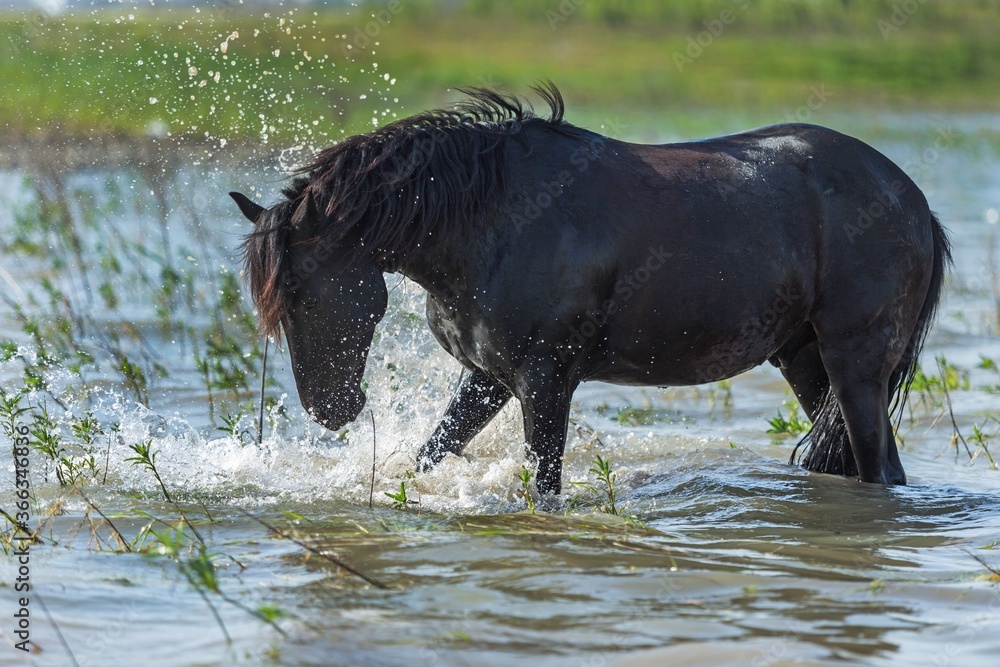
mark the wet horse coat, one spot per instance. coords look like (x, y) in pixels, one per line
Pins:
(552, 255)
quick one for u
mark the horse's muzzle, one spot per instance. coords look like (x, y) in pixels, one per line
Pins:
(337, 409)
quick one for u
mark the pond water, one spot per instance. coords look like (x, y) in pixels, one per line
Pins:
(726, 554)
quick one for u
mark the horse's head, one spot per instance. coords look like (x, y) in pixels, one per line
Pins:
(326, 295)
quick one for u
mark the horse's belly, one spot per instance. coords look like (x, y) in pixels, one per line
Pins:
(663, 354)
(689, 329)
(671, 368)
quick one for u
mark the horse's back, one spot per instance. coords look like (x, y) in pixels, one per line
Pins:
(805, 190)
(722, 249)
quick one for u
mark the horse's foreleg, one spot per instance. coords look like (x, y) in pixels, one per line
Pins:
(545, 401)
(476, 401)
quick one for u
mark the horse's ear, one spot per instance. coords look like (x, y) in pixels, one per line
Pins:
(249, 209)
(306, 213)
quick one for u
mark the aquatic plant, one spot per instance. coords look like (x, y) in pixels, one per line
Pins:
(231, 425)
(992, 569)
(606, 479)
(198, 570)
(145, 457)
(400, 500)
(292, 536)
(603, 494)
(11, 410)
(793, 424)
(46, 440)
(931, 390)
(120, 543)
(631, 416)
(65, 329)
(980, 439)
(526, 476)
(721, 391)
(986, 363)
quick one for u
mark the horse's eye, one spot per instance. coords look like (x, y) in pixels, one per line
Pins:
(310, 303)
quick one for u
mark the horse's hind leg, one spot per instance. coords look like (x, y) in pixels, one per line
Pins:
(827, 448)
(896, 473)
(859, 367)
(477, 400)
(802, 366)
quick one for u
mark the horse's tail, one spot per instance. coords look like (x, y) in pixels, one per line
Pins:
(827, 446)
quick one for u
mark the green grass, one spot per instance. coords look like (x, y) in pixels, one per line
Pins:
(631, 416)
(96, 72)
(793, 424)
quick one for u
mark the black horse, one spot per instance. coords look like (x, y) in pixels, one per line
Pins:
(553, 255)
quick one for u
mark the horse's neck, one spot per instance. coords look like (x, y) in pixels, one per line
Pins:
(443, 278)
(447, 271)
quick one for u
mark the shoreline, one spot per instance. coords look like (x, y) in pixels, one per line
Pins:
(73, 152)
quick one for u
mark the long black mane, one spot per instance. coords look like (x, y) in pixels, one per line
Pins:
(427, 176)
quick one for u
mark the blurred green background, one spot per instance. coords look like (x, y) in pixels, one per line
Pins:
(231, 74)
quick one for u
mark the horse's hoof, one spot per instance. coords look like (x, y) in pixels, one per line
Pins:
(424, 463)
(428, 458)
(549, 487)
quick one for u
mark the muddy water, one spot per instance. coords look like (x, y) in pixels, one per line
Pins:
(732, 556)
